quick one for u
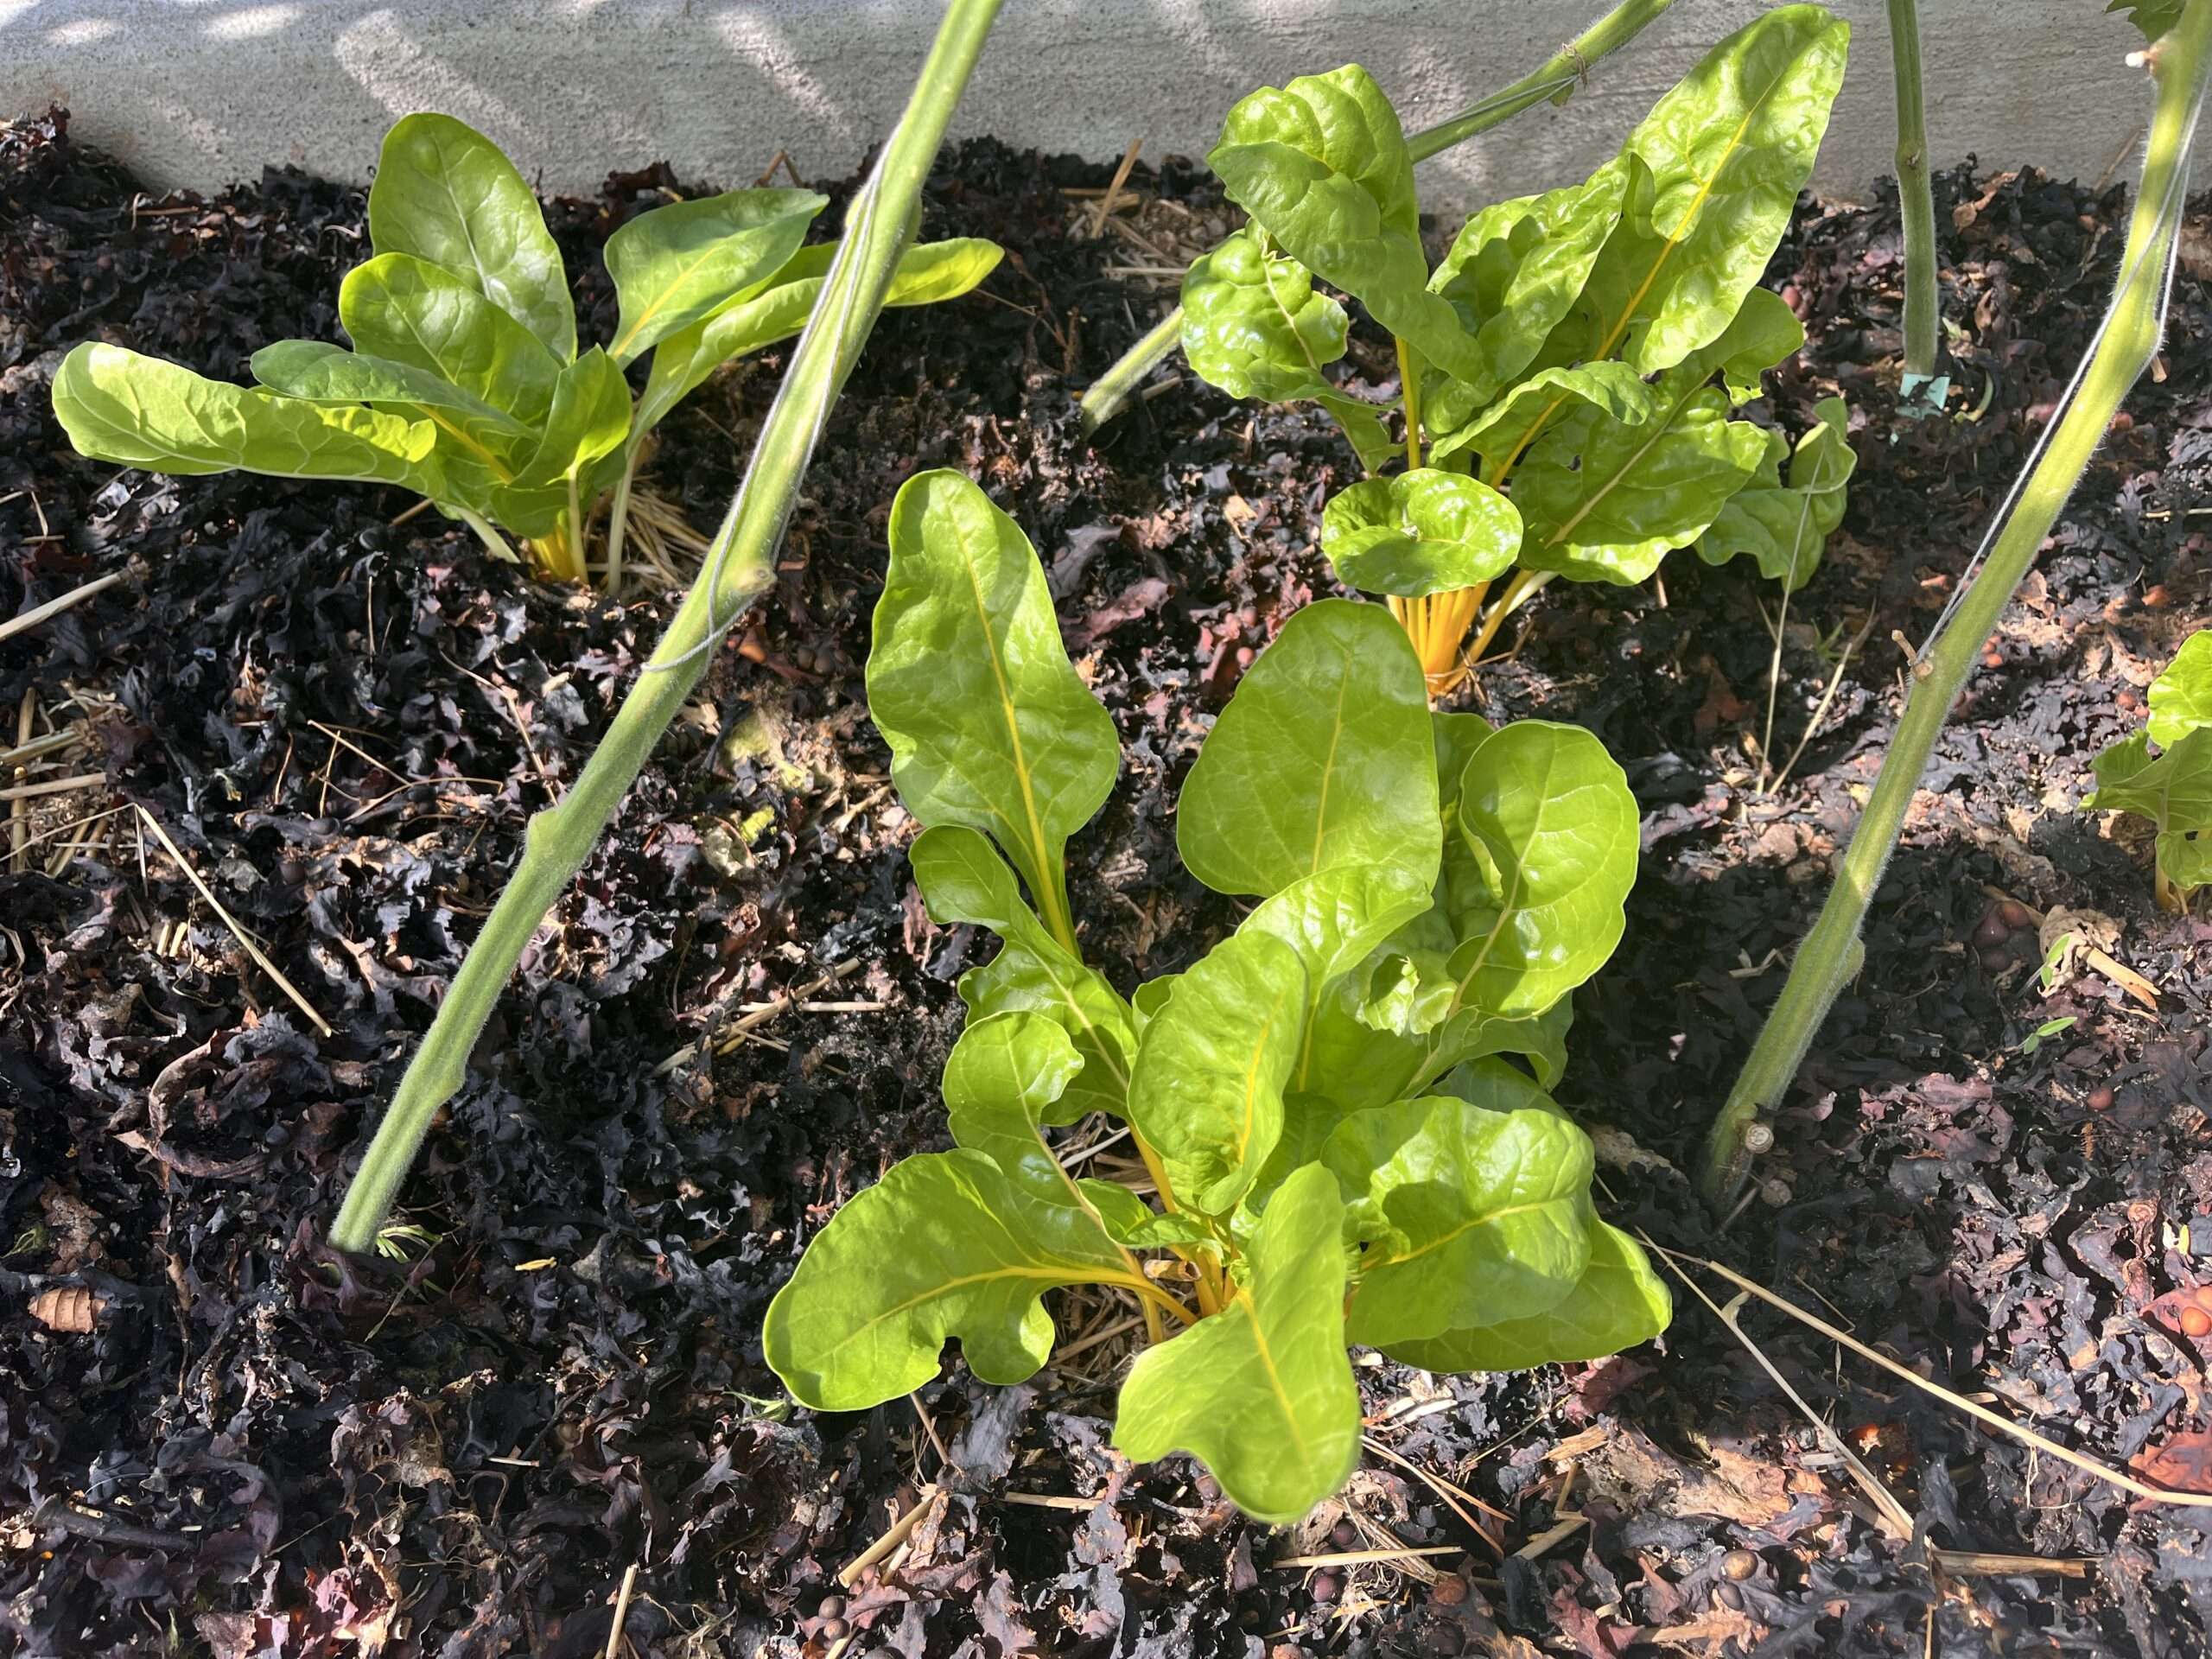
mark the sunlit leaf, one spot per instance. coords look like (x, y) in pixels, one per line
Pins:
(398, 307)
(1619, 1302)
(1785, 526)
(1415, 533)
(679, 263)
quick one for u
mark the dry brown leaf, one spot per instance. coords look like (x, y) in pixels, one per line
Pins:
(71, 1309)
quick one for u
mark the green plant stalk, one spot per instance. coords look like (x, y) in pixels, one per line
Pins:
(1554, 81)
(1832, 952)
(1915, 197)
(739, 567)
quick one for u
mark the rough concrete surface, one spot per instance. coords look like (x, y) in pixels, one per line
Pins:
(199, 92)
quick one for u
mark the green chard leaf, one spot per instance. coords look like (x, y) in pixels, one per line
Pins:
(1500, 432)
(1513, 273)
(140, 412)
(1553, 828)
(2181, 697)
(1618, 1303)
(1261, 1393)
(1207, 1090)
(1322, 758)
(412, 312)
(2154, 17)
(1322, 166)
(1786, 527)
(589, 417)
(943, 1246)
(780, 308)
(964, 879)
(323, 373)
(1715, 169)
(444, 193)
(678, 264)
(1469, 1216)
(2173, 789)
(1420, 533)
(989, 723)
(1253, 325)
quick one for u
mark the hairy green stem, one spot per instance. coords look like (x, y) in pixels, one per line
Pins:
(2123, 347)
(739, 567)
(1554, 81)
(1915, 197)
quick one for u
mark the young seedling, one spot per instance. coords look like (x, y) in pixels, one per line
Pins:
(2173, 788)
(464, 384)
(1568, 372)
(1333, 1153)
(2179, 59)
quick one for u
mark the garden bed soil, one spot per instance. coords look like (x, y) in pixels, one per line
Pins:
(342, 716)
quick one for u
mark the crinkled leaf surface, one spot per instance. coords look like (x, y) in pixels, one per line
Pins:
(989, 723)
(140, 412)
(1499, 433)
(1419, 532)
(2173, 789)
(1206, 1091)
(964, 879)
(678, 265)
(1720, 161)
(444, 193)
(1469, 1216)
(1553, 826)
(682, 362)
(1253, 325)
(398, 307)
(1785, 526)
(1606, 502)
(1001, 1081)
(941, 1246)
(1513, 272)
(1262, 1392)
(1618, 1302)
(1322, 165)
(2181, 697)
(1323, 757)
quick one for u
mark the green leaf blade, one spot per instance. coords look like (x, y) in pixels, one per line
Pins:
(1420, 533)
(1253, 325)
(445, 194)
(1619, 1302)
(1322, 758)
(1261, 1393)
(678, 264)
(2181, 697)
(412, 312)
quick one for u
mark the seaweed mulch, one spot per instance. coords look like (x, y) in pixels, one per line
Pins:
(217, 1439)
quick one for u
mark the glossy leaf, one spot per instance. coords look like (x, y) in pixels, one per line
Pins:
(964, 879)
(1785, 526)
(140, 412)
(989, 724)
(2173, 789)
(941, 1246)
(1469, 1216)
(1553, 825)
(2181, 697)
(1335, 920)
(1206, 1091)
(1513, 272)
(1262, 1392)
(1254, 326)
(325, 374)
(1499, 433)
(1606, 502)
(1001, 1081)
(589, 417)
(1129, 1220)
(678, 264)
(1619, 1302)
(1322, 758)
(682, 362)
(443, 193)
(1420, 532)
(412, 312)
(1717, 166)
(1322, 166)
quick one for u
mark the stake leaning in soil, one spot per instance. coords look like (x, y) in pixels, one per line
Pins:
(2122, 348)
(739, 568)
(1554, 81)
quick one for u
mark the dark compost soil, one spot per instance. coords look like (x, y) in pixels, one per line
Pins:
(343, 721)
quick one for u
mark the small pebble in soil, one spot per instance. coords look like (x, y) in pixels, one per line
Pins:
(1728, 1596)
(1996, 959)
(1344, 1534)
(2101, 1098)
(1324, 1587)
(831, 1607)
(2016, 915)
(835, 1629)
(1992, 930)
(2195, 1322)
(1738, 1564)
(1774, 1193)
(1449, 1591)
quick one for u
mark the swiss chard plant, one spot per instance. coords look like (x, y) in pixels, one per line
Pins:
(465, 384)
(1335, 1150)
(2173, 787)
(1568, 370)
